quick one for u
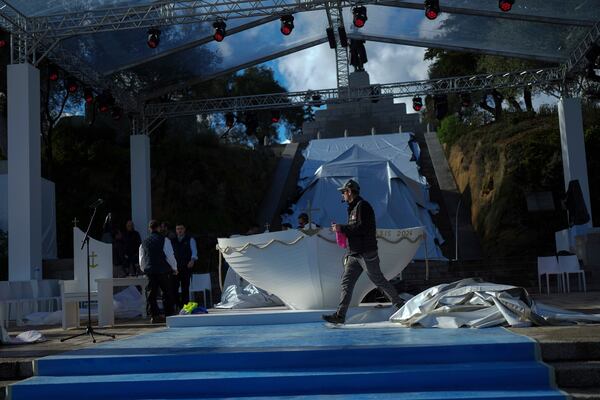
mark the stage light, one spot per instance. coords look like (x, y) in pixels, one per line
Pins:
(153, 38)
(229, 120)
(331, 38)
(71, 85)
(3, 43)
(287, 24)
(251, 122)
(220, 30)
(465, 99)
(116, 113)
(275, 116)
(505, 5)
(88, 95)
(343, 36)
(432, 9)
(53, 73)
(359, 14)
(417, 103)
(105, 101)
(440, 102)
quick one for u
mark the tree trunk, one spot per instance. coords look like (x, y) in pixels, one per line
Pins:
(497, 104)
(528, 101)
(513, 102)
(483, 104)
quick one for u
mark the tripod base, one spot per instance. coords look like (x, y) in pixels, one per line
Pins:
(89, 330)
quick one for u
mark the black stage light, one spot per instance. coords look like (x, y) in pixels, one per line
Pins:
(105, 101)
(331, 38)
(417, 103)
(287, 24)
(229, 120)
(505, 5)
(465, 99)
(71, 85)
(88, 95)
(220, 30)
(432, 9)
(116, 113)
(275, 116)
(359, 14)
(53, 73)
(153, 38)
(3, 43)
(440, 102)
(343, 36)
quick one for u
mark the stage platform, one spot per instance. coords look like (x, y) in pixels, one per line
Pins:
(301, 360)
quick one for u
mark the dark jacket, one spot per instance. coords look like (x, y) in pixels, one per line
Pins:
(183, 252)
(132, 241)
(360, 230)
(156, 259)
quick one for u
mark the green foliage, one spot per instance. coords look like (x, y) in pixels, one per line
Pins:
(450, 130)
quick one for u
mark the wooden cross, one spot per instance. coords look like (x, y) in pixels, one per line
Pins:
(75, 221)
(92, 263)
(309, 212)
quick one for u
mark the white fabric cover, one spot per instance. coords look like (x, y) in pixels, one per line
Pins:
(305, 271)
(237, 293)
(48, 215)
(398, 201)
(103, 259)
(477, 304)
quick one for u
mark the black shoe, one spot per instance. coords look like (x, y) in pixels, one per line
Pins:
(334, 318)
(157, 320)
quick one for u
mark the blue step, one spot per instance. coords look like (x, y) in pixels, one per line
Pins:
(524, 376)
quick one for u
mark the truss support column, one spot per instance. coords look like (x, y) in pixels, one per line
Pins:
(24, 173)
(573, 147)
(141, 193)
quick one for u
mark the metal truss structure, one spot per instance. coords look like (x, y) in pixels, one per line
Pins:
(578, 55)
(464, 84)
(335, 19)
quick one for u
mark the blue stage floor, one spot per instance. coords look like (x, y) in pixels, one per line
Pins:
(298, 361)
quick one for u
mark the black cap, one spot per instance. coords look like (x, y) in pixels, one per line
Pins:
(350, 184)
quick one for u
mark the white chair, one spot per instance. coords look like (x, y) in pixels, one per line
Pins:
(570, 265)
(47, 292)
(201, 283)
(549, 266)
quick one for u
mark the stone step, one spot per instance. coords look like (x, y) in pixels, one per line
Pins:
(579, 374)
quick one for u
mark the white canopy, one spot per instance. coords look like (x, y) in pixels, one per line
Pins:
(398, 201)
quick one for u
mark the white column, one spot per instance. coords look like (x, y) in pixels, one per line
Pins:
(141, 200)
(573, 146)
(24, 173)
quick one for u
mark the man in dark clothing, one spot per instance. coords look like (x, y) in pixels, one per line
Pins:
(362, 251)
(158, 262)
(186, 254)
(132, 241)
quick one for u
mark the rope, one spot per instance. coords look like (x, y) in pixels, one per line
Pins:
(228, 249)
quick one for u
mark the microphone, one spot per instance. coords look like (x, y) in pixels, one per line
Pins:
(96, 203)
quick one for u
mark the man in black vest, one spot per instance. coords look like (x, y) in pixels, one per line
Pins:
(186, 254)
(158, 262)
(362, 251)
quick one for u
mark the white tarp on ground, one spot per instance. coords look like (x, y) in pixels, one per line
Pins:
(237, 294)
(399, 148)
(48, 215)
(397, 200)
(477, 304)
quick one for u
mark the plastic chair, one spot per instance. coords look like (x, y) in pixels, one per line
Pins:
(201, 283)
(549, 266)
(570, 265)
(48, 293)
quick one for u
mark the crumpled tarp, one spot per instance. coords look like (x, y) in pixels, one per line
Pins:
(477, 304)
(249, 296)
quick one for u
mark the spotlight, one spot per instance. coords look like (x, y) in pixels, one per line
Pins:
(417, 103)
(440, 102)
(432, 9)
(88, 95)
(465, 99)
(229, 120)
(505, 5)
(287, 24)
(3, 43)
(105, 101)
(153, 38)
(251, 122)
(116, 113)
(331, 38)
(275, 116)
(220, 31)
(359, 16)
(71, 85)
(53, 73)
(343, 36)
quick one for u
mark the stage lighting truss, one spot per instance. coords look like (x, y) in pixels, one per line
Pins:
(359, 16)
(220, 30)
(432, 9)
(417, 103)
(287, 24)
(153, 38)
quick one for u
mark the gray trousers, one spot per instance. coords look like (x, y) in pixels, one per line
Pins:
(353, 268)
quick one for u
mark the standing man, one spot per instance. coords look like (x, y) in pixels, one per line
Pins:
(158, 262)
(131, 241)
(303, 222)
(362, 251)
(186, 255)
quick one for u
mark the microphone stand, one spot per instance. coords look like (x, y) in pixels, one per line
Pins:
(89, 330)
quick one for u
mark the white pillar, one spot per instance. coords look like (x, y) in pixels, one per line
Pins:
(573, 146)
(141, 193)
(24, 174)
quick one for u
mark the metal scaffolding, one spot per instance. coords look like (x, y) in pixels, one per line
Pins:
(317, 98)
(335, 19)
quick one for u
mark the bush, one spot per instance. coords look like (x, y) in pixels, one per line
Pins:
(451, 128)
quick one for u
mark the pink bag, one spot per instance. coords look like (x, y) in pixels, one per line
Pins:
(341, 240)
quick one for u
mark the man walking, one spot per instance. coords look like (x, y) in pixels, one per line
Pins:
(362, 251)
(186, 255)
(158, 262)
